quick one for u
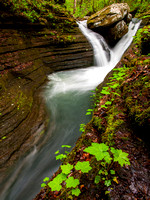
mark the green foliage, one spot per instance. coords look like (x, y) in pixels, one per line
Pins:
(83, 166)
(142, 36)
(100, 151)
(97, 179)
(120, 156)
(108, 103)
(57, 152)
(85, 6)
(119, 74)
(106, 157)
(66, 146)
(71, 182)
(43, 184)
(46, 179)
(82, 128)
(4, 137)
(66, 168)
(76, 191)
(55, 184)
(89, 111)
(107, 183)
(61, 157)
(44, 12)
(112, 171)
(105, 92)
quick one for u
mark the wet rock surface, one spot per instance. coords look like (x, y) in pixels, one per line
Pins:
(108, 15)
(124, 125)
(27, 56)
(111, 21)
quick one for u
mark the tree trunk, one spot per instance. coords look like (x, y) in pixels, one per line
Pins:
(93, 6)
(74, 7)
(81, 3)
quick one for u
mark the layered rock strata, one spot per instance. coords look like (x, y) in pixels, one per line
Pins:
(27, 56)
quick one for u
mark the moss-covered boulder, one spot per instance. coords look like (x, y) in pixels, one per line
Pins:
(111, 21)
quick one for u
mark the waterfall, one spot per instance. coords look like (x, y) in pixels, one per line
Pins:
(68, 97)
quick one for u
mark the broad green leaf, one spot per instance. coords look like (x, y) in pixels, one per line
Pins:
(60, 157)
(60, 178)
(83, 166)
(66, 168)
(43, 185)
(120, 156)
(113, 150)
(107, 158)
(76, 191)
(55, 183)
(55, 186)
(98, 150)
(46, 179)
(66, 146)
(71, 182)
(97, 179)
(107, 183)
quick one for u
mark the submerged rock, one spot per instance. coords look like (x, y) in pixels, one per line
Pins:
(111, 21)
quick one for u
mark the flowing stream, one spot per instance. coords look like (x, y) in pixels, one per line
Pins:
(68, 97)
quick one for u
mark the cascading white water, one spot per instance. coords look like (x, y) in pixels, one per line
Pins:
(68, 97)
(105, 59)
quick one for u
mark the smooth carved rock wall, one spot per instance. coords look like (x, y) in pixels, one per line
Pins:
(26, 58)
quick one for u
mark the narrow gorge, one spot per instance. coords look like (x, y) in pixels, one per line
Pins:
(49, 63)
